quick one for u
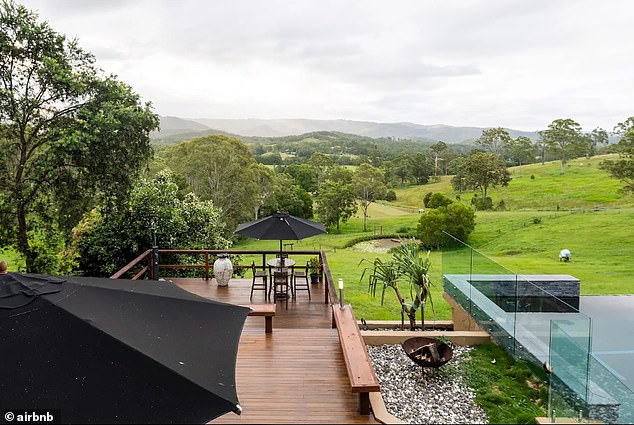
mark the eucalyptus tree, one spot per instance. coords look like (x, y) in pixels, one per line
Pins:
(71, 136)
(421, 168)
(482, 171)
(222, 169)
(494, 139)
(437, 150)
(623, 168)
(564, 139)
(521, 151)
(335, 203)
(597, 137)
(367, 182)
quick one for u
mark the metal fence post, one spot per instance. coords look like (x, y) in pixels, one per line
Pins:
(155, 263)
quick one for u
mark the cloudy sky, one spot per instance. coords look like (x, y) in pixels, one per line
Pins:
(517, 64)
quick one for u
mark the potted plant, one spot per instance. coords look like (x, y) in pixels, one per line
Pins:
(314, 268)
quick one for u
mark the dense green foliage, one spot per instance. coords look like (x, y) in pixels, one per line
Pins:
(335, 203)
(107, 240)
(221, 169)
(564, 139)
(69, 136)
(456, 219)
(623, 168)
(480, 171)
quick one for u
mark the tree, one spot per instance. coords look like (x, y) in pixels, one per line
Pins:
(437, 149)
(563, 138)
(304, 174)
(484, 170)
(107, 239)
(494, 139)
(623, 168)
(455, 219)
(437, 200)
(421, 168)
(401, 166)
(367, 182)
(70, 136)
(335, 203)
(521, 150)
(598, 137)
(321, 163)
(285, 196)
(222, 169)
(264, 177)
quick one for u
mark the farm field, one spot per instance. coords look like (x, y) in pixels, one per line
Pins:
(593, 222)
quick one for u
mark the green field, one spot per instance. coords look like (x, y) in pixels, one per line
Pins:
(594, 222)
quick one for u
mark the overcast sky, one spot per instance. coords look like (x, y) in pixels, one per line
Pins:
(517, 64)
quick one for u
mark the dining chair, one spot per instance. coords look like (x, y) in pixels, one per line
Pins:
(280, 285)
(259, 286)
(302, 284)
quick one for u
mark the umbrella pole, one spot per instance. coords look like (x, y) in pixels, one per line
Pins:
(281, 252)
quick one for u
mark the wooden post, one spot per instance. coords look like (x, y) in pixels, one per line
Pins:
(206, 265)
(364, 403)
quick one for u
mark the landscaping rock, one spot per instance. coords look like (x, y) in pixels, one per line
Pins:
(425, 395)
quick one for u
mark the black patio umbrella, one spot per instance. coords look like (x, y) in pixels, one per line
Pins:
(111, 351)
(280, 226)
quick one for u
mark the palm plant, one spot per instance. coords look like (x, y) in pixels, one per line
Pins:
(407, 263)
(415, 267)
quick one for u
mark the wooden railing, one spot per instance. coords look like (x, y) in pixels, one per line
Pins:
(142, 267)
(358, 364)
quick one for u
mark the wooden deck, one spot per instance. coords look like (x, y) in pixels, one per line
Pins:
(297, 374)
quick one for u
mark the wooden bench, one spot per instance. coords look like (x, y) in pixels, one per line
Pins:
(360, 371)
(266, 310)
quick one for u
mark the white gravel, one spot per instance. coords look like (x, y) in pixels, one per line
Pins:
(425, 395)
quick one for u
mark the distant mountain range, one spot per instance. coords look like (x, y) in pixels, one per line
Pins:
(175, 129)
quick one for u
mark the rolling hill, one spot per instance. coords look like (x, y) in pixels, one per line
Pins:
(175, 129)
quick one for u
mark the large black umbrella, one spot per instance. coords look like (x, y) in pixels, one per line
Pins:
(280, 226)
(107, 351)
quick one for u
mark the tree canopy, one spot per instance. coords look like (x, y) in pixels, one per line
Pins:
(335, 203)
(455, 219)
(494, 139)
(105, 240)
(564, 139)
(481, 171)
(219, 168)
(367, 182)
(69, 135)
(623, 168)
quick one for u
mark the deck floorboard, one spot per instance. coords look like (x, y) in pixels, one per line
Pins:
(297, 374)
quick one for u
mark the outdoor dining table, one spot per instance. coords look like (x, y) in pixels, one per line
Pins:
(275, 262)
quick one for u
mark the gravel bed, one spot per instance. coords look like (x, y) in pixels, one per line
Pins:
(425, 395)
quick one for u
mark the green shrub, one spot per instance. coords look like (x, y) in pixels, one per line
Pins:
(438, 200)
(482, 204)
(426, 199)
(390, 195)
(456, 219)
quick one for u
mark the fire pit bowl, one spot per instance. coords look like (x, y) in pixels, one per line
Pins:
(427, 352)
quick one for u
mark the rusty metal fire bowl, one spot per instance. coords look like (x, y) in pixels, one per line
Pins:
(427, 352)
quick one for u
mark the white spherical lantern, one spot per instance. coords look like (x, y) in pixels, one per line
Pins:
(223, 269)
